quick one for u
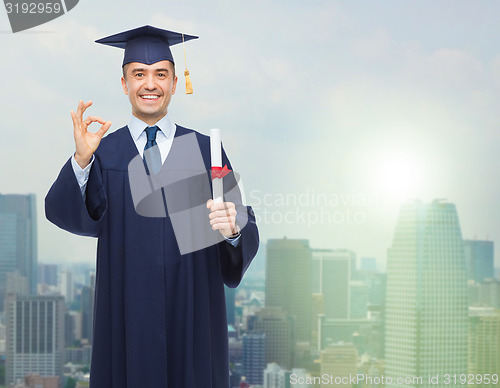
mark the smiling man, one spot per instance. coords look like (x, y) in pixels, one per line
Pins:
(150, 89)
(160, 317)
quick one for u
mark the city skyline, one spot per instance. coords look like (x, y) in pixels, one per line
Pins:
(380, 264)
(355, 101)
(359, 326)
(422, 316)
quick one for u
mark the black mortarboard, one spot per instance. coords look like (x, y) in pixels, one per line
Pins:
(146, 44)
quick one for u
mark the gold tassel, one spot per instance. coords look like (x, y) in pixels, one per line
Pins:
(189, 85)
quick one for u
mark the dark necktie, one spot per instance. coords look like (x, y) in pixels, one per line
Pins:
(152, 154)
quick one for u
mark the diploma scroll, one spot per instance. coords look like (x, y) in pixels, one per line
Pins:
(216, 157)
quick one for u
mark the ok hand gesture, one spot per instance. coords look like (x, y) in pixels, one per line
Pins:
(86, 142)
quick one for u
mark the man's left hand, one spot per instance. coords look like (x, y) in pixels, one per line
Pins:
(223, 217)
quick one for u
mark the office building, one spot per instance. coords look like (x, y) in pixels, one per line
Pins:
(359, 299)
(79, 356)
(331, 276)
(18, 240)
(426, 300)
(254, 357)
(34, 336)
(17, 284)
(479, 257)
(87, 309)
(485, 294)
(318, 311)
(276, 377)
(230, 294)
(484, 341)
(339, 362)
(47, 274)
(288, 282)
(278, 328)
(66, 286)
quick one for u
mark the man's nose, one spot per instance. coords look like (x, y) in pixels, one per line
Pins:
(150, 82)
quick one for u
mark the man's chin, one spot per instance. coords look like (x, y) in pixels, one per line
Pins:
(149, 116)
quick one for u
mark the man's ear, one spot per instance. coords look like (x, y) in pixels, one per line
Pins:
(174, 85)
(124, 86)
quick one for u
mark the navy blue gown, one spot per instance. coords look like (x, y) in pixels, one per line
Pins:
(160, 317)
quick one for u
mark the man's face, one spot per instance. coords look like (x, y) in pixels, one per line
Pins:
(149, 89)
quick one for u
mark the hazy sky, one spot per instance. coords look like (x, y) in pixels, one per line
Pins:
(333, 112)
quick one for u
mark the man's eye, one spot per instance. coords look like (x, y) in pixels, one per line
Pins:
(162, 75)
(139, 74)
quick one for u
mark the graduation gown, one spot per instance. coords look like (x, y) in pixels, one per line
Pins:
(160, 317)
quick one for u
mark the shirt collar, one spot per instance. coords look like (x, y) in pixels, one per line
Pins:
(137, 126)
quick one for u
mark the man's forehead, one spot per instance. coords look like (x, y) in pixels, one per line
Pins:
(157, 66)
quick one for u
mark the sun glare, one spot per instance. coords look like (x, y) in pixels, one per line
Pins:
(400, 175)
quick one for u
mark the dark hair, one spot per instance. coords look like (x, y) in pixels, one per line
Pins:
(124, 70)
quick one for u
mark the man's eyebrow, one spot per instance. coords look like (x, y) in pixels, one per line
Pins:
(141, 69)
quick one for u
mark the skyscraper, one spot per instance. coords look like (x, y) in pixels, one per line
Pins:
(34, 336)
(276, 377)
(87, 310)
(17, 284)
(317, 311)
(485, 294)
(72, 327)
(278, 327)
(359, 298)
(18, 239)
(254, 357)
(47, 274)
(230, 294)
(66, 287)
(331, 275)
(479, 259)
(484, 341)
(288, 282)
(340, 362)
(426, 300)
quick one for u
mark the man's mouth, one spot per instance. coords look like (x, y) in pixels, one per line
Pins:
(150, 96)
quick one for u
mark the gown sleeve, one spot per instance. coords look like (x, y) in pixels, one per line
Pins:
(234, 260)
(66, 207)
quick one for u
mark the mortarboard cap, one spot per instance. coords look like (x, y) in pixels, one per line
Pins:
(147, 45)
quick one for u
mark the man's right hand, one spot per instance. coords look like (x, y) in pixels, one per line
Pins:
(86, 142)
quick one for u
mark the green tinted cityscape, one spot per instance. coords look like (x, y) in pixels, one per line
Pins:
(303, 316)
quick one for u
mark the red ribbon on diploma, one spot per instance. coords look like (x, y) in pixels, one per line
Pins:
(220, 172)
